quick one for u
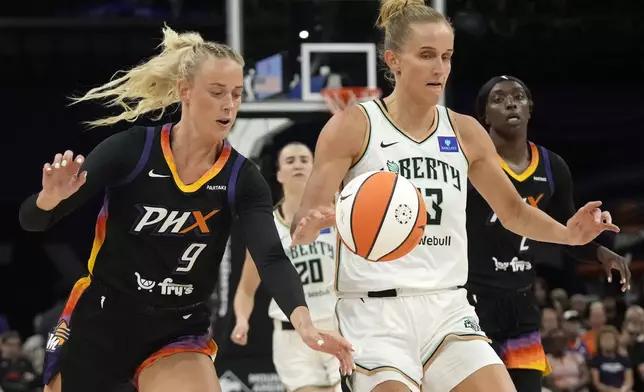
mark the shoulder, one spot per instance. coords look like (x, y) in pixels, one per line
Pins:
(354, 117)
(249, 181)
(135, 136)
(475, 140)
(245, 168)
(556, 162)
(126, 145)
(346, 132)
(465, 125)
(120, 151)
(551, 155)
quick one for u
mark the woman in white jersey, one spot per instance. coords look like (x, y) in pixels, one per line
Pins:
(297, 365)
(408, 320)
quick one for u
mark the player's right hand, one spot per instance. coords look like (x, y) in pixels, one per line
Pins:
(309, 227)
(61, 178)
(240, 333)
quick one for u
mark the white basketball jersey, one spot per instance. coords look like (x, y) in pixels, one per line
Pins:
(316, 265)
(438, 168)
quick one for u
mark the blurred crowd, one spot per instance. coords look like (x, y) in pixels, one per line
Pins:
(591, 345)
(21, 361)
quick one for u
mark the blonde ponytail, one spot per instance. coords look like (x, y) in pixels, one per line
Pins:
(152, 86)
(393, 8)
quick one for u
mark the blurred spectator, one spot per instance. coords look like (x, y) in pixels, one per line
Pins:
(469, 20)
(630, 332)
(613, 315)
(596, 321)
(541, 293)
(572, 325)
(549, 320)
(635, 314)
(569, 370)
(502, 22)
(34, 350)
(632, 342)
(16, 372)
(559, 299)
(49, 319)
(636, 355)
(611, 371)
(579, 303)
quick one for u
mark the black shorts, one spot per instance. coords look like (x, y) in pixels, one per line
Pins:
(512, 321)
(102, 341)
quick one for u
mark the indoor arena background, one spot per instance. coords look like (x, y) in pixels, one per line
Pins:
(583, 61)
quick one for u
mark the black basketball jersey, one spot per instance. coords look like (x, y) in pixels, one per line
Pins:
(161, 241)
(499, 258)
(159, 238)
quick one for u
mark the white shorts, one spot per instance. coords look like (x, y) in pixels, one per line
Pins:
(431, 340)
(300, 366)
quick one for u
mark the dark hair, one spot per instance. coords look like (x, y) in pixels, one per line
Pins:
(279, 152)
(484, 93)
(9, 335)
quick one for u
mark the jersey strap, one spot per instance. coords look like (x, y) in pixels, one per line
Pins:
(232, 182)
(549, 176)
(143, 159)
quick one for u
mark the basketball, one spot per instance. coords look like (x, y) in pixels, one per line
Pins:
(380, 216)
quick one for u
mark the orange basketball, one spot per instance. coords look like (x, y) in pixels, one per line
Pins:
(380, 216)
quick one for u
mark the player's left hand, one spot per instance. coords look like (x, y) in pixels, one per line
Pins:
(331, 343)
(612, 261)
(588, 223)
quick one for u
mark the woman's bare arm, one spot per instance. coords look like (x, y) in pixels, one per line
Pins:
(340, 144)
(492, 183)
(244, 301)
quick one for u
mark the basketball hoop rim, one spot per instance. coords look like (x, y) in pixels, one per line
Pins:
(357, 90)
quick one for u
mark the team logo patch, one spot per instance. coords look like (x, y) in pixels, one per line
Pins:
(470, 323)
(393, 167)
(402, 214)
(447, 144)
(58, 337)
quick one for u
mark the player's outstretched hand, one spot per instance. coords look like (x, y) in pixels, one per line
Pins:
(331, 343)
(309, 227)
(240, 333)
(61, 178)
(612, 261)
(588, 223)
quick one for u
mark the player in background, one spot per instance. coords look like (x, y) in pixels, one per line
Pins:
(502, 263)
(171, 193)
(409, 321)
(297, 365)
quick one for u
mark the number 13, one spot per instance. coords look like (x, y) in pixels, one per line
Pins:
(436, 197)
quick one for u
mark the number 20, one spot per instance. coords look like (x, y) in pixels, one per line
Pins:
(189, 257)
(310, 271)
